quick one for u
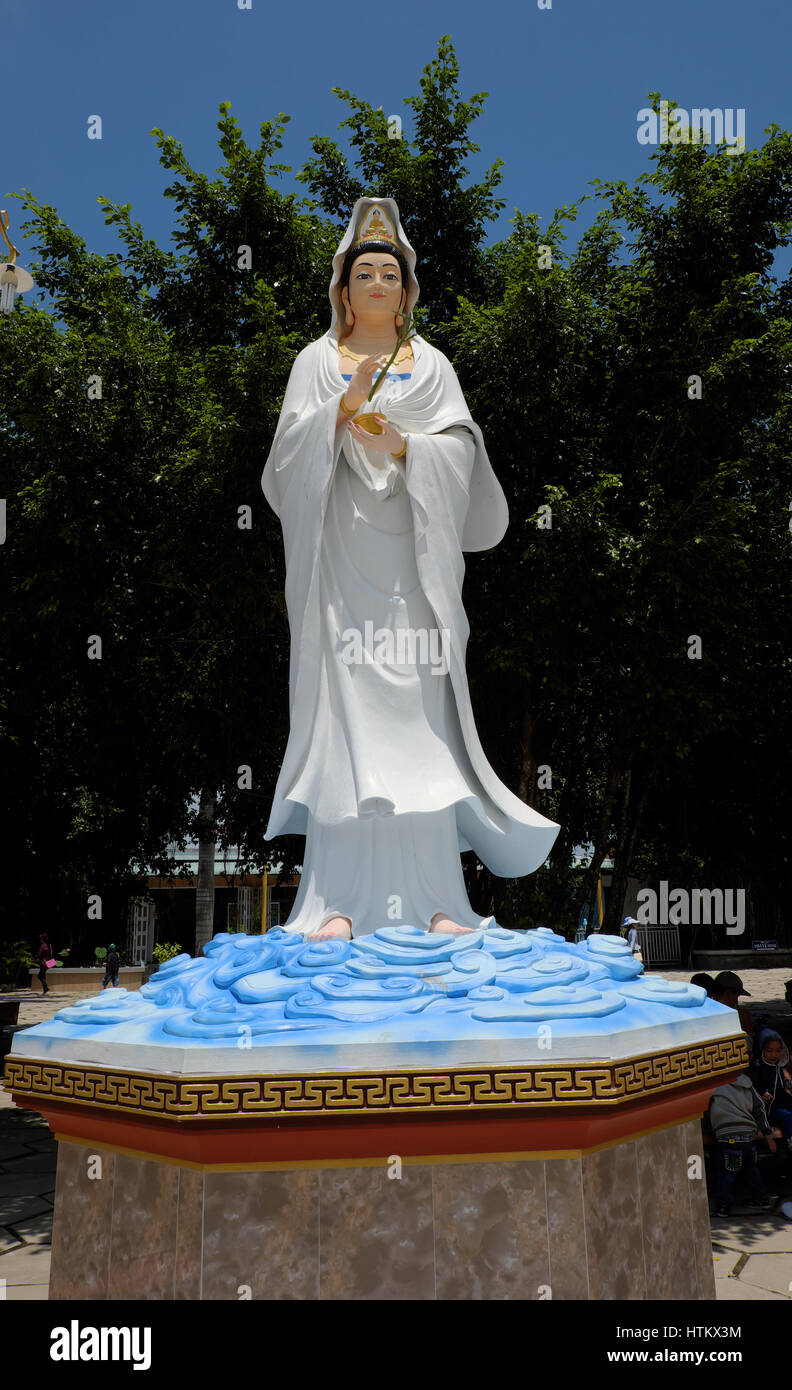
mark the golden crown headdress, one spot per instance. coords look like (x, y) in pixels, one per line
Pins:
(375, 225)
(372, 220)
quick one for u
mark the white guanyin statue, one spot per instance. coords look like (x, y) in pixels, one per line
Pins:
(384, 772)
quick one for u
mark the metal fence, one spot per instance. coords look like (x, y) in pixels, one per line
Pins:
(245, 914)
(140, 930)
(660, 945)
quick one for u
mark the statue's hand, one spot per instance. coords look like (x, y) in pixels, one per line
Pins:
(362, 378)
(389, 442)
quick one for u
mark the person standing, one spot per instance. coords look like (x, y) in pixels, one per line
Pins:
(112, 964)
(44, 954)
(631, 924)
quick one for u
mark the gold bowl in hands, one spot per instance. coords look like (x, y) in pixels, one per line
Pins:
(369, 422)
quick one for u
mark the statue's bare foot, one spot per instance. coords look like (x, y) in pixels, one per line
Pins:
(441, 923)
(334, 929)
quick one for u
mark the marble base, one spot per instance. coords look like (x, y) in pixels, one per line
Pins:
(622, 1222)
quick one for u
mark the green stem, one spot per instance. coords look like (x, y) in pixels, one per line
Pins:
(400, 338)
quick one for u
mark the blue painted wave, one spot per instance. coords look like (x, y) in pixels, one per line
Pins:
(409, 981)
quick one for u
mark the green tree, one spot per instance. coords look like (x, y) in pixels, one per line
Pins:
(426, 173)
(668, 517)
(127, 523)
(670, 514)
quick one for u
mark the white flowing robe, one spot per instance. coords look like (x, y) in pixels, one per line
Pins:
(383, 771)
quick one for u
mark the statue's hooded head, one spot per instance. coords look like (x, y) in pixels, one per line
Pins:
(374, 227)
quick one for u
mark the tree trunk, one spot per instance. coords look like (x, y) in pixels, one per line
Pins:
(612, 919)
(205, 890)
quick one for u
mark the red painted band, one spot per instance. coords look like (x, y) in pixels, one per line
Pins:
(304, 1139)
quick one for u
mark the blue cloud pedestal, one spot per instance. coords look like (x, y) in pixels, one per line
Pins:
(406, 1116)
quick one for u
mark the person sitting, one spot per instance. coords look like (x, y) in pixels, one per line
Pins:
(704, 981)
(736, 1112)
(726, 989)
(770, 1074)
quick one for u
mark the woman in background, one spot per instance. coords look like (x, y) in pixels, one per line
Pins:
(44, 953)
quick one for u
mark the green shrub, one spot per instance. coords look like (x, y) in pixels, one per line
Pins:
(166, 950)
(15, 960)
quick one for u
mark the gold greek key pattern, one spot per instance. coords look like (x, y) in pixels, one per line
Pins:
(533, 1086)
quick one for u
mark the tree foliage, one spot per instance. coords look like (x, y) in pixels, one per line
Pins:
(669, 513)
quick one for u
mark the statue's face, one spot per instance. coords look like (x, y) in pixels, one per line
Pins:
(375, 286)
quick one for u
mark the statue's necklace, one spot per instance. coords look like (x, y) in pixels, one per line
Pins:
(403, 356)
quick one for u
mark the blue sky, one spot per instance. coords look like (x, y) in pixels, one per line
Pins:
(565, 87)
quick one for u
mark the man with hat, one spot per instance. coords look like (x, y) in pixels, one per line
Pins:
(726, 989)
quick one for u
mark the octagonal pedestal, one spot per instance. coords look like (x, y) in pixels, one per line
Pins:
(573, 1180)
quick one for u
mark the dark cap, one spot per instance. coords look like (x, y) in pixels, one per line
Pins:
(728, 980)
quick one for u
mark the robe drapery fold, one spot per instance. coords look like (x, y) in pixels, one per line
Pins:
(451, 502)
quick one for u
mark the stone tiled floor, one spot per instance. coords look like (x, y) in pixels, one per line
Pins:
(28, 1155)
(35, 1007)
(752, 1253)
(753, 1256)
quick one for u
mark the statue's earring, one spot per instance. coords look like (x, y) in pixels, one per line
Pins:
(348, 315)
(399, 320)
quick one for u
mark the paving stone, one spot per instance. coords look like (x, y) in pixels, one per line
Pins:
(38, 1008)
(19, 1293)
(770, 1272)
(9, 1149)
(22, 1184)
(29, 1163)
(777, 1240)
(742, 1230)
(732, 1291)
(28, 1264)
(20, 1208)
(35, 1230)
(19, 1125)
(7, 1240)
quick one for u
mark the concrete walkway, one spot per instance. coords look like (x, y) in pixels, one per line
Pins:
(28, 1155)
(752, 1253)
(37, 1007)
